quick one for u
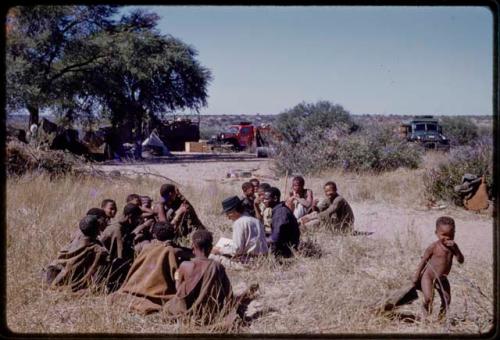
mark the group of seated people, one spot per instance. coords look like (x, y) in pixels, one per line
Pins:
(138, 259)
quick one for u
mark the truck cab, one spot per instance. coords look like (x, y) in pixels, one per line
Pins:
(241, 135)
(426, 131)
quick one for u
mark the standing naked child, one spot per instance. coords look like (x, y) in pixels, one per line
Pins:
(436, 264)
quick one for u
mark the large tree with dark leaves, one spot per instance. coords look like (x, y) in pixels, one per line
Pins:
(77, 59)
(147, 74)
(43, 48)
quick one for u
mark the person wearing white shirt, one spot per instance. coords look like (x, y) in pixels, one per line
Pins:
(248, 239)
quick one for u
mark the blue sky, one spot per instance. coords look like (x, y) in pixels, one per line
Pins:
(383, 60)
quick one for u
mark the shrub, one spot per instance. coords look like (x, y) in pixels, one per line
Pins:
(297, 123)
(377, 148)
(476, 159)
(459, 130)
(22, 158)
(374, 148)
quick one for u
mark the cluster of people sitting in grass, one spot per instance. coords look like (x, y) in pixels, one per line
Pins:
(140, 261)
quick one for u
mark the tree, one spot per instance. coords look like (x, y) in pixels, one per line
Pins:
(43, 48)
(322, 117)
(80, 62)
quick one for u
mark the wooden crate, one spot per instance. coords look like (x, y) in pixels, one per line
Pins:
(194, 147)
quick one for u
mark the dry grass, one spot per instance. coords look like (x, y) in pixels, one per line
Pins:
(331, 294)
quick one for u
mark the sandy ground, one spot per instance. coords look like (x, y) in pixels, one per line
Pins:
(474, 232)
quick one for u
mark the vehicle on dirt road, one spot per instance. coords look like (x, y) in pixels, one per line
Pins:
(426, 131)
(245, 136)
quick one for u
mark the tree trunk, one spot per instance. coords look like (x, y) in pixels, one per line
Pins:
(34, 115)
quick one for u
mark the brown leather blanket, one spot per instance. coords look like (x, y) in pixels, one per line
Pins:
(204, 296)
(150, 280)
(77, 263)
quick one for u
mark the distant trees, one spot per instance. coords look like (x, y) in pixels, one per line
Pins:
(80, 62)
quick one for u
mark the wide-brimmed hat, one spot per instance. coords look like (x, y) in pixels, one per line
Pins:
(230, 203)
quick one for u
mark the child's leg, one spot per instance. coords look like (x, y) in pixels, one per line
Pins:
(427, 286)
(444, 294)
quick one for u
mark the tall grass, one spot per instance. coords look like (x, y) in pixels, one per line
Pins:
(334, 293)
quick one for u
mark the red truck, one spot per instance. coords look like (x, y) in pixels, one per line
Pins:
(245, 135)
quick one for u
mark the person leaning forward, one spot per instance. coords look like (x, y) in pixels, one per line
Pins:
(285, 228)
(333, 211)
(177, 210)
(248, 239)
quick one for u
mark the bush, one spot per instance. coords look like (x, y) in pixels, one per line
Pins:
(476, 159)
(459, 130)
(377, 148)
(373, 148)
(323, 118)
(22, 158)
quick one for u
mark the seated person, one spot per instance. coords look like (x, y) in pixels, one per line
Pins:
(248, 198)
(102, 220)
(78, 263)
(119, 239)
(109, 207)
(261, 212)
(300, 200)
(137, 200)
(255, 182)
(285, 228)
(147, 207)
(177, 210)
(203, 288)
(334, 211)
(248, 239)
(150, 280)
(101, 216)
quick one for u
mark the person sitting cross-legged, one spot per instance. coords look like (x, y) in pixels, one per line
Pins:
(78, 263)
(285, 228)
(248, 239)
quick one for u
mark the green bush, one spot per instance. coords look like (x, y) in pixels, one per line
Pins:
(326, 136)
(460, 130)
(377, 148)
(476, 159)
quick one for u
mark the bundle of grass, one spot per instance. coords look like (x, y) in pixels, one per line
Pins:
(22, 158)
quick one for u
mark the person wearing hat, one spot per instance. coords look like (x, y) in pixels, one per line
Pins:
(248, 239)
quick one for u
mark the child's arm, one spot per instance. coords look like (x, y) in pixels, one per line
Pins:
(456, 251)
(308, 201)
(423, 262)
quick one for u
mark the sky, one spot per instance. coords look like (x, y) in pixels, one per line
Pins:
(375, 60)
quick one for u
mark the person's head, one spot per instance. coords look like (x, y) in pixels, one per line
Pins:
(248, 189)
(445, 228)
(109, 207)
(298, 184)
(134, 199)
(262, 189)
(255, 182)
(330, 189)
(89, 226)
(102, 218)
(163, 231)
(132, 214)
(232, 207)
(168, 192)
(272, 197)
(146, 201)
(202, 242)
